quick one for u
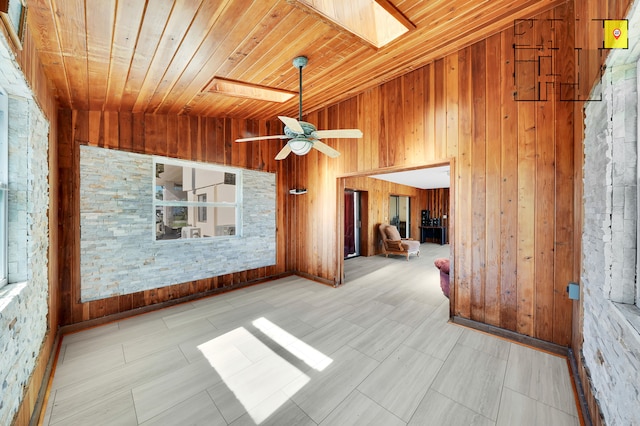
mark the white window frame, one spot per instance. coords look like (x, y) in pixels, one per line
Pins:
(4, 187)
(193, 164)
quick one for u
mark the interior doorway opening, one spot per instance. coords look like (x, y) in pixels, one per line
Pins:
(352, 223)
(400, 214)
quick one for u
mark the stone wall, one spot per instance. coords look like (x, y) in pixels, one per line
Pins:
(118, 251)
(23, 302)
(611, 347)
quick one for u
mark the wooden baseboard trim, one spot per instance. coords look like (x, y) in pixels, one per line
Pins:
(513, 336)
(316, 279)
(585, 417)
(45, 386)
(576, 378)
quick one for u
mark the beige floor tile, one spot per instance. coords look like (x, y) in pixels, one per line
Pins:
(437, 409)
(541, 376)
(368, 314)
(492, 345)
(198, 410)
(401, 381)
(333, 336)
(256, 389)
(287, 413)
(118, 410)
(155, 342)
(196, 313)
(81, 366)
(326, 389)
(280, 353)
(473, 379)
(81, 395)
(411, 313)
(519, 409)
(172, 388)
(381, 339)
(435, 338)
(357, 409)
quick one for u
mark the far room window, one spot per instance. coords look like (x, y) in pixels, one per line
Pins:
(194, 200)
(202, 210)
(4, 185)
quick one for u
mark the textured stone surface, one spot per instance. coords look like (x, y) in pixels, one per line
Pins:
(23, 302)
(118, 251)
(611, 344)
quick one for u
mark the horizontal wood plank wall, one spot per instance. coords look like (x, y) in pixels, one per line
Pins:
(514, 227)
(45, 96)
(191, 138)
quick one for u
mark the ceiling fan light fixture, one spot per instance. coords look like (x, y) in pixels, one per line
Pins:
(300, 145)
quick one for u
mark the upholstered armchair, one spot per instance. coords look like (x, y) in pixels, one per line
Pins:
(393, 244)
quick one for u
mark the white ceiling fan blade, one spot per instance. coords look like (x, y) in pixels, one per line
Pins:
(341, 133)
(292, 124)
(325, 149)
(283, 152)
(261, 138)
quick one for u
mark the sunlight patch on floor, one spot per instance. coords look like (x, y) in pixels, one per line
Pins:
(308, 354)
(255, 373)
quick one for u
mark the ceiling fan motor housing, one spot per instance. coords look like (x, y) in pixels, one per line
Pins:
(300, 145)
(308, 129)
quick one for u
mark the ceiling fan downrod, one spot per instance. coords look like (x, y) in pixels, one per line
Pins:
(300, 62)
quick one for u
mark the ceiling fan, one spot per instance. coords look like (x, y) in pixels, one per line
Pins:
(302, 135)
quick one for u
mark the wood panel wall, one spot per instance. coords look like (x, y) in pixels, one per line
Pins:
(377, 208)
(191, 138)
(514, 188)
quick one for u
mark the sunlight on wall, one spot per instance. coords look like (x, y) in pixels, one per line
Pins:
(259, 378)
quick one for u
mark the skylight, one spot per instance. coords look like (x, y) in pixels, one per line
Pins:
(247, 90)
(377, 22)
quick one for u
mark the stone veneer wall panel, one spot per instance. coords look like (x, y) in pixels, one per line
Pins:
(118, 254)
(23, 302)
(611, 347)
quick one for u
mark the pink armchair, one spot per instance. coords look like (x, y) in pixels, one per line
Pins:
(393, 244)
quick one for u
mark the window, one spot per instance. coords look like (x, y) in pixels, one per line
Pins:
(202, 211)
(195, 200)
(4, 186)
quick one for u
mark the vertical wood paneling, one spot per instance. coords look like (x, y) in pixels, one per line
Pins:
(507, 266)
(545, 199)
(478, 180)
(508, 189)
(464, 192)
(184, 137)
(493, 237)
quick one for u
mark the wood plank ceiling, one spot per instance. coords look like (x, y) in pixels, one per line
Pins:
(157, 56)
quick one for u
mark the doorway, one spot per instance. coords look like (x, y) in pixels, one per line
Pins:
(352, 223)
(399, 214)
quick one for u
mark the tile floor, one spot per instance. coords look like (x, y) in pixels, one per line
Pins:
(376, 351)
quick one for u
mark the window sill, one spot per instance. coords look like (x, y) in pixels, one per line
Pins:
(631, 313)
(9, 292)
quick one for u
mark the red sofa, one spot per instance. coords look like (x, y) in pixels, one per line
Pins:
(442, 264)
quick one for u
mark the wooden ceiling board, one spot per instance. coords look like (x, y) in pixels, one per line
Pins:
(156, 56)
(99, 35)
(232, 14)
(129, 16)
(168, 68)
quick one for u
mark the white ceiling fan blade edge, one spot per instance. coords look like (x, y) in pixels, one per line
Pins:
(325, 149)
(261, 138)
(338, 133)
(284, 152)
(292, 124)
